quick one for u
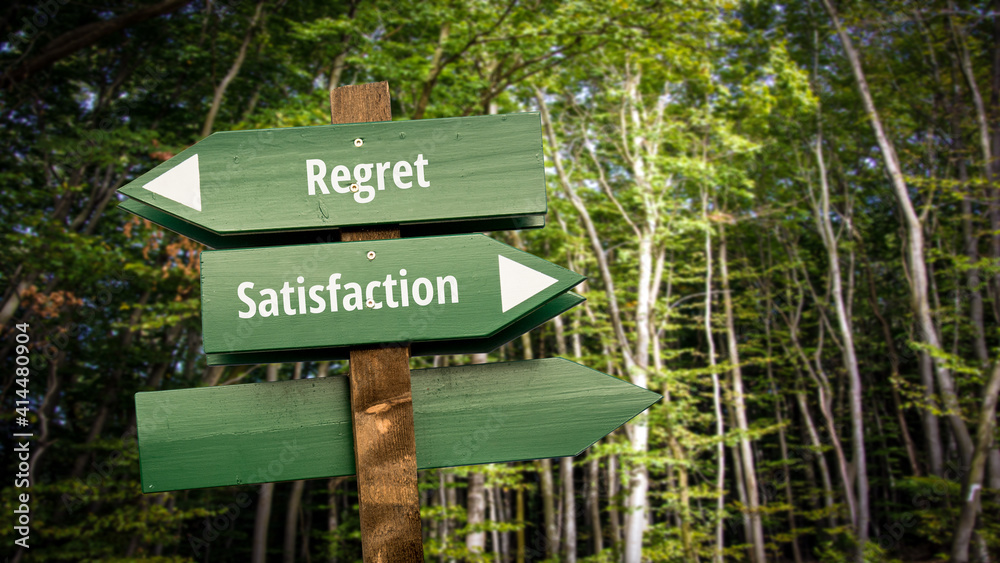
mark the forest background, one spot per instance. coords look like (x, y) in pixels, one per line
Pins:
(788, 213)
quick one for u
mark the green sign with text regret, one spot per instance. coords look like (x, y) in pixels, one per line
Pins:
(240, 183)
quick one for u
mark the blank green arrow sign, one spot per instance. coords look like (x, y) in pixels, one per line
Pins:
(325, 177)
(488, 413)
(373, 292)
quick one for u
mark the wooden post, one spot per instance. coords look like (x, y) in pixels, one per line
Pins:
(385, 450)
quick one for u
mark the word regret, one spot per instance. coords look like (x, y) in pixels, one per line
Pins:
(343, 181)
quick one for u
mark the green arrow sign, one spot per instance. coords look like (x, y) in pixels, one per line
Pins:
(488, 413)
(529, 322)
(371, 292)
(324, 177)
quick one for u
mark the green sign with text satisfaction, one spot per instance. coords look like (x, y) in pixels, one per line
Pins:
(371, 292)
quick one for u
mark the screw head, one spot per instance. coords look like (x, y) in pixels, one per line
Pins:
(370, 303)
(354, 187)
(358, 142)
(371, 254)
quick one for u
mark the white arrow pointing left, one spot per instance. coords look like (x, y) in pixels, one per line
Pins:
(182, 184)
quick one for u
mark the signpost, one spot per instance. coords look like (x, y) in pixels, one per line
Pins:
(351, 188)
(372, 292)
(381, 401)
(488, 413)
(436, 175)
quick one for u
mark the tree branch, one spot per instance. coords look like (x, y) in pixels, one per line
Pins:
(84, 36)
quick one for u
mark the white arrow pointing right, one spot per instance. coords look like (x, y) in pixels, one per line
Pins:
(518, 283)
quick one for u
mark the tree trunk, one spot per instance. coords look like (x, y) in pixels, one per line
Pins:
(741, 493)
(332, 516)
(594, 502)
(521, 547)
(46, 413)
(637, 368)
(442, 523)
(756, 538)
(720, 482)
(569, 509)
(292, 520)
(614, 312)
(824, 469)
(974, 476)
(491, 505)
(451, 499)
(544, 467)
(614, 518)
(720, 448)
(825, 407)
(636, 365)
(13, 300)
(780, 418)
(990, 145)
(970, 243)
(262, 518)
(294, 504)
(505, 499)
(824, 400)
(340, 60)
(475, 539)
(890, 346)
(437, 65)
(787, 477)
(860, 463)
(234, 69)
(915, 243)
(928, 418)
(261, 521)
(85, 36)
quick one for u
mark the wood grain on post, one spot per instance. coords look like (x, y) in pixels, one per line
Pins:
(385, 449)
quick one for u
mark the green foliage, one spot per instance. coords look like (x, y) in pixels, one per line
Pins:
(658, 108)
(830, 552)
